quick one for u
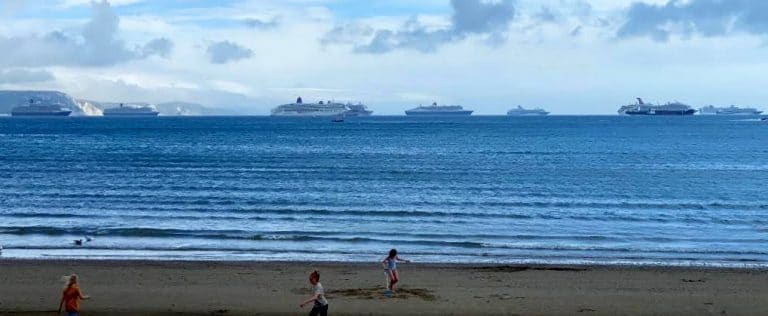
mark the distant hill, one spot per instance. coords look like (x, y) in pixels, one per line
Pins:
(10, 99)
(183, 108)
(165, 109)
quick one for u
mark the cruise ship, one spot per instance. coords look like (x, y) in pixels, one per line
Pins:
(642, 108)
(357, 110)
(731, 110)
(131, 111)
(39, 108)
(311, 109)
(439, 110)
(520, 111)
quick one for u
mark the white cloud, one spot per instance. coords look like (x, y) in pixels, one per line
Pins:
(21, 76)
(309, 52)
(97, 43)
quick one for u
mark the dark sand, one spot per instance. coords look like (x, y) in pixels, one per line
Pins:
(276, 288)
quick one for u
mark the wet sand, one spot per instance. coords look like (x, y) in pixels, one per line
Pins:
(277, 288)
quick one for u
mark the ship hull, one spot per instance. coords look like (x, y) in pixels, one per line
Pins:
(531, 114)
(662, 113)
(358, 114)
(132, 114)
(740, 114)
(312, 114)
(427, 114)
(34, 114)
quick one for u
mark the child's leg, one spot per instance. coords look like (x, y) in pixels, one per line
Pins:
(394, 280)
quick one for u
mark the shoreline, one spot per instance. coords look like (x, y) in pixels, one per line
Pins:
(536, 264)
(248, 262)
(142, 287)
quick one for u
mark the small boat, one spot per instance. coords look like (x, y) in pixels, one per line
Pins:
(338, 119)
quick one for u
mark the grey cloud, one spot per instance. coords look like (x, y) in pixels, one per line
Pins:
(25, 76)
(347, 34)
(226, 51)
(477, 16)
(470, 17)
(159, 46)
(576, 31)
(97, 45)
(261, 24)
(546, 15)
(707, 18)
(582, 8)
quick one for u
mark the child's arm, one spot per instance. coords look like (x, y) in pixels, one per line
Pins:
(403, 260)
(81, 296)
(310, 300)
(384, 263)
(61, 303)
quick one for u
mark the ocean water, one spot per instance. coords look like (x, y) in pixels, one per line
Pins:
(595, 190)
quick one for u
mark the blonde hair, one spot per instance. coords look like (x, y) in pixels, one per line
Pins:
(69, 280)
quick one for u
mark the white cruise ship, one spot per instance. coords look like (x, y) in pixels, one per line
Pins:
(642, 108)
(356, 110)
(311, 109)
(520, 111)
(731, 110)
(132, 111)
(439, 110)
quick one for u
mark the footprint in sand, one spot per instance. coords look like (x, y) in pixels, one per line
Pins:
(372, 293)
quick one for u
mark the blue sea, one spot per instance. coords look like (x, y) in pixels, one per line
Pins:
(561, 190)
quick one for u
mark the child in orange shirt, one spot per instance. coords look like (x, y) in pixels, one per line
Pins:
(70, 298)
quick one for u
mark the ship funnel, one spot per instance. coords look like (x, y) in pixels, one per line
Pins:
(299, 101)
(640, 101)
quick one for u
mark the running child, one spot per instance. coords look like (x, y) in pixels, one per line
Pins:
(70, 298)
(320, 306)
(390, 267)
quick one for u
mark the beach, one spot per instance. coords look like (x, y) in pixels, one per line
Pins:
(32, 287)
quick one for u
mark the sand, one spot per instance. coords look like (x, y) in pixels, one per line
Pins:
(277, 288)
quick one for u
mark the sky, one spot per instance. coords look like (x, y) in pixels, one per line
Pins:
(248, 56)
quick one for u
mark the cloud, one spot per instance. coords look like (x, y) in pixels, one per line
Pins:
(477, 16)
(226, 52)
(159, 46)
(490, 19)
(709, 18)
(25, 76)
(546, 15)
(348, 33)
(261, 24)
(98, 44)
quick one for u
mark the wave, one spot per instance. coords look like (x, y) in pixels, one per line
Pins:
(194, 199)
(471, 249)
(400, 216)
(581, 243)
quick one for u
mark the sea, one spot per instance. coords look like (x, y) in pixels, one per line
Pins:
(690, 191)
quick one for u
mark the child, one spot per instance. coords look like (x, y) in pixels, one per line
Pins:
(320, 306)
(70, 298)
(390, 268)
